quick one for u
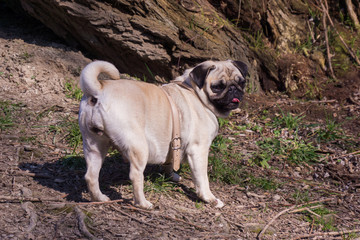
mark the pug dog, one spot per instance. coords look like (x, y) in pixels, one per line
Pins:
(136, 118)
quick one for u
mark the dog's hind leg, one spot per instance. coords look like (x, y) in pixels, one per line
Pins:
(95, 150)
(137, 167)
(138, 154)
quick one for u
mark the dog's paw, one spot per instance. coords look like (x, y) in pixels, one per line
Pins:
(218, 203)
(100, 198)
(145, 205)
(175, 177)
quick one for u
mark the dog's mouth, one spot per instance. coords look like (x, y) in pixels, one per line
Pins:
(235, 100)
(228, 103)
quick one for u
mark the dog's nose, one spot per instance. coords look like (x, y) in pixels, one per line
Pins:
(232, 88)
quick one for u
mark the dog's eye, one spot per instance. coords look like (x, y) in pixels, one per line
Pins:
(218, 87)
(242, 84)
(241, 81)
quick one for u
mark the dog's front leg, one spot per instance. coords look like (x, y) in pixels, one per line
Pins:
(198, 161)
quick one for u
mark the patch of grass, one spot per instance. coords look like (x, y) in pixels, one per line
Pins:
(294, 151)
(305, 46)
(326, 220)
(158, 183)
(255, 39)
(300, 151)
(74, 137)
(288, 120)
(7, 114)
(261, 158)
(26, 56)
(74, 162)
(47, 111)
(313, 89)
(223, 122)
(322, 211)
(70, 129)
(199, 205)
(72, 91)
(264, 183)
(222, 162)
(301, 197)
(330, 132)
(288, 145)
(257, 128)
(346, 20)
(224, 172)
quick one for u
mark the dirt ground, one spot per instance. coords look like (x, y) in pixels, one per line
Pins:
(43, 194)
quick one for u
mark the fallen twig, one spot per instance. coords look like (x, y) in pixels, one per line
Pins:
(325, 11)
(288, 210)
(324, 101)
(324, 234)
(310, 211)
(239, 225)
(317, 201)
(341, 156)
(168, 217)
(134, 218)
(11, 199)
(312, 225)
(273, 219)
(239, 12)
(95, 203)
(82, 226)
(311, 32)
(307, 209)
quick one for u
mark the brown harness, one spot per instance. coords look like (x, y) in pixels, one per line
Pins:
(175, 143)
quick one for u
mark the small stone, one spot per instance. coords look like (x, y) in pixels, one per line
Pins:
(297, 175)
(276, 197)
(27, 193)
(28, 148)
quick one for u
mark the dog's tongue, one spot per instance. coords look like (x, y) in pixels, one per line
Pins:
(235, 100)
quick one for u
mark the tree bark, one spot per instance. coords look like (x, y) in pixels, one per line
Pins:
(156, 40)
(152, 39)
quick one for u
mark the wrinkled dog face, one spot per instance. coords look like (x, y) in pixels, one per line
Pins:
(220, 85)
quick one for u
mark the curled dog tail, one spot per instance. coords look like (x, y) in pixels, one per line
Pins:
(89, 82)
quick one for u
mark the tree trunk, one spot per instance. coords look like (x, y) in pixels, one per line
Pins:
(153, 39)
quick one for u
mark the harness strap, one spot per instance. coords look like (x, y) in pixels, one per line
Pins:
(175, 143)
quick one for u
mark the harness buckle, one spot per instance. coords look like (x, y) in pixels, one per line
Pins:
(175, 145)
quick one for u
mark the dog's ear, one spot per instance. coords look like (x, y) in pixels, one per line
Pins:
(199, 74)
(243, 68)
